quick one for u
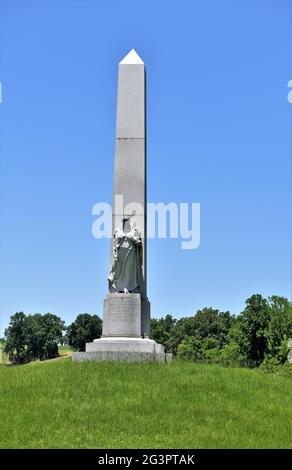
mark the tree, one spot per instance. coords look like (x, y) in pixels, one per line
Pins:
(83, 330)
(211, 323)
(160, 328)
(36, 336)
(17, 339)
(250, 329)
(182, 329)
(33, 337)
(45, 334)
(279, 329)
(53, 328)
(206, 323)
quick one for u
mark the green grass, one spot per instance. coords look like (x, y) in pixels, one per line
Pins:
(61, 404)
(3, 357)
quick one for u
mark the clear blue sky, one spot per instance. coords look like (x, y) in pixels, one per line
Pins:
(219, 133)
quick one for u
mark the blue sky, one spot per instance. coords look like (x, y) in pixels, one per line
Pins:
(219, 133)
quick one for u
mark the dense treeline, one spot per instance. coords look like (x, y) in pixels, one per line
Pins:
(257, 336)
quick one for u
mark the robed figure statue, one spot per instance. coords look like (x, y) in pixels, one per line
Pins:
(126, 271)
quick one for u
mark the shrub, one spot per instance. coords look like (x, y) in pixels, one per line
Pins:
(272, 366)
(190, 348)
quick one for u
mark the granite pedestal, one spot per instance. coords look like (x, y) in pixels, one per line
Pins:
(125, 333)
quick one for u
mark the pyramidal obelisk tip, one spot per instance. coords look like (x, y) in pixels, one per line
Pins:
(132, 58)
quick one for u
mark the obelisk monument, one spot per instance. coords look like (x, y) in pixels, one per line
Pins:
(126, 316)
(130, 152)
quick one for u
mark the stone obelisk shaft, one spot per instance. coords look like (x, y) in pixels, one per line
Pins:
(130, 150)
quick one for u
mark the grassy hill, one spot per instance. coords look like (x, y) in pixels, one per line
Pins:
(60, 404)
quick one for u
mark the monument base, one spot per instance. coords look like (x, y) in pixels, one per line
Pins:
(123, 349)
(125, 356)
(125, 333)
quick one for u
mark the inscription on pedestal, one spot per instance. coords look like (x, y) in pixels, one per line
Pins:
(122, 315)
